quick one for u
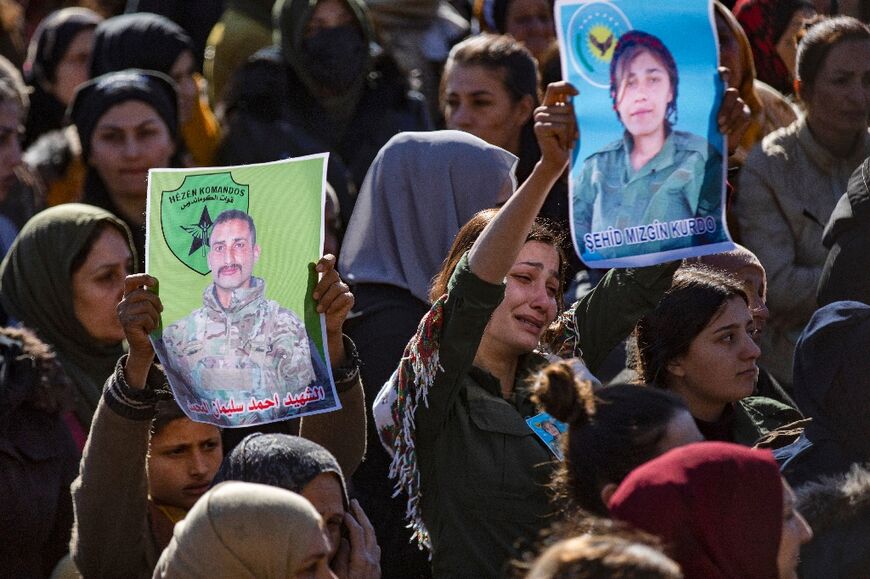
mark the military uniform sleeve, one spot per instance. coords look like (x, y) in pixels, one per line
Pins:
(469, 305)
(607, 315)
(111, 534)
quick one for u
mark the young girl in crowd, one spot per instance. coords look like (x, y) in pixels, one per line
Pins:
(744, 265)
(723, 511)
(698, 343)
(789, 186)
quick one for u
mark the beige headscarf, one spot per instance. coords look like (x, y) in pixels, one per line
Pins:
(241, 530)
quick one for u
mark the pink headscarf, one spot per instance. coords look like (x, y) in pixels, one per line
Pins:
(717, 507)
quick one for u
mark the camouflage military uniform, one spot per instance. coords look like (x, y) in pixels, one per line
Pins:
(253, 348)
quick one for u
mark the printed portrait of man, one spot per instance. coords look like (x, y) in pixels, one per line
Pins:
(239, 341)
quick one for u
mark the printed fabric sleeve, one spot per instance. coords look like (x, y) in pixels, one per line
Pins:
(111, 535)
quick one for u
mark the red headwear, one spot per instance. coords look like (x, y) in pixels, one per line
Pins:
(717, 507)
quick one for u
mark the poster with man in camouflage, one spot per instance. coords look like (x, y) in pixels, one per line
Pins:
(234, 249)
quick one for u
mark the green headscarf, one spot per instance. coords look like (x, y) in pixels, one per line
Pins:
(36, 289)
(289, 19)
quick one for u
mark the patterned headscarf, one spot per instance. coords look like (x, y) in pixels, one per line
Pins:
(764, 22)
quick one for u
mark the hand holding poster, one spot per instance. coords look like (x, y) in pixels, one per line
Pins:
(647, 179)
(240, 339)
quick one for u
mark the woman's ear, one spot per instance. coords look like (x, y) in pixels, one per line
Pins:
(675, 367)
(607, 493)
(524, 109)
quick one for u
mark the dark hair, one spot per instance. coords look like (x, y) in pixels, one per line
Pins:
(167, 410)
(233, 214)
(818, 41)
(543, 231)
(631, 45)
(518, 69)
(79, 260)
(611, 431)
(697, 294)
(31, 375)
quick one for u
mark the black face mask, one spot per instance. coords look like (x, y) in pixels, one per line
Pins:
(335, 57)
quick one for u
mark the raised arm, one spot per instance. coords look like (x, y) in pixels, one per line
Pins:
(111, 534)
(495, 250)
(342, 432)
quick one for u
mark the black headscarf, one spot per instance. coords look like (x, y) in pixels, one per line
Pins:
(142, 40)
(98, 95)
(93, 99)
(279, 460)
(832, 376)
(47, 48)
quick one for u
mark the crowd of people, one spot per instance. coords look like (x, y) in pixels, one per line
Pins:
(505, 411)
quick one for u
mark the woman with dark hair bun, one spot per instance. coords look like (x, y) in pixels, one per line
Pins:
(611, 431)
(698, 343)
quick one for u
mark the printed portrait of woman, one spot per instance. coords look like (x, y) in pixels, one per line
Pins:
(654, 175)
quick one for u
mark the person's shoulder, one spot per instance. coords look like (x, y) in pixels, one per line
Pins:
(769, 412)
(780, 142)
(183, 328)
(606, 155)
(617, 146)
(284, 319)
(685, 141)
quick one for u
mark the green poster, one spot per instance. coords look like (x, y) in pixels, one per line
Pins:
(233, 249)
